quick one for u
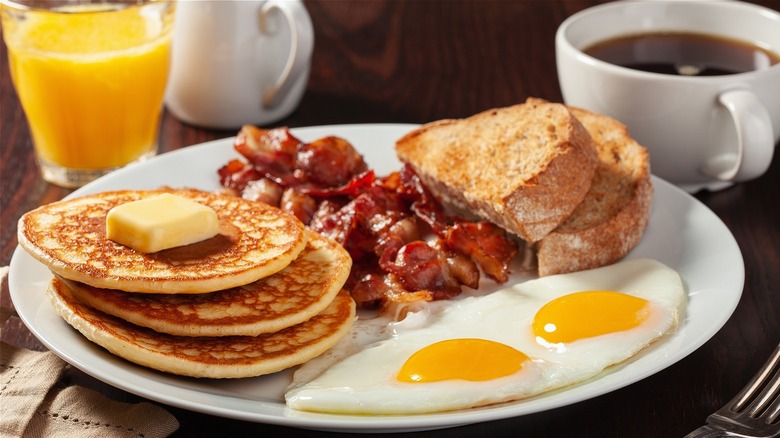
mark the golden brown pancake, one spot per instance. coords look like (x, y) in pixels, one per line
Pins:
(289, 297)
(211, 357)
(255, 241)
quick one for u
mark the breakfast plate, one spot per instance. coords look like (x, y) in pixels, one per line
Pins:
(682, 233)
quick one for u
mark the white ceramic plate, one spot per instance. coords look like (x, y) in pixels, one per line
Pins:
(683, 233)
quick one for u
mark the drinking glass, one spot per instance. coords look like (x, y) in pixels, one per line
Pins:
(91, 77)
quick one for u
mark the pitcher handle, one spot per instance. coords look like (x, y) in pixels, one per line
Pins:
(301, 46)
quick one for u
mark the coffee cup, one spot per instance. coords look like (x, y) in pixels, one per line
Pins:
(238, 62)
(702, 131)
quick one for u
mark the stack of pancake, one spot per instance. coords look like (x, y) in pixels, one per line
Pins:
(263, 295)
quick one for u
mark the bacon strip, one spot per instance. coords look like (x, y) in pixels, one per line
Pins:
(380, 221)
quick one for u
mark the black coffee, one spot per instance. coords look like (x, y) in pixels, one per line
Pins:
(686, 54)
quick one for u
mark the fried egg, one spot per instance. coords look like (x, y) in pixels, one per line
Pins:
(511, 344)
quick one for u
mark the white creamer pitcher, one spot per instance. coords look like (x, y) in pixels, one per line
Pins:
(237, 62)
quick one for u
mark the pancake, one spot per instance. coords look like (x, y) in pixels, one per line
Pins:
(255, 241)
(209, 357)
(291, 296)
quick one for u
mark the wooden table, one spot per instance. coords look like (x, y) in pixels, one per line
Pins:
(418, 61)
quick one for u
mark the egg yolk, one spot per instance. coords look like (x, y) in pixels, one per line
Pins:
(587, 314)
(464, 359)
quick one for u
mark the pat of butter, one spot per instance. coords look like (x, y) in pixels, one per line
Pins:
(161, 222)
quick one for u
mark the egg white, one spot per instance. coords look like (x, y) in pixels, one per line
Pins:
(358, 376)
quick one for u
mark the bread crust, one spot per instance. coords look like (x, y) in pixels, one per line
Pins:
(614, 215)
(525, 167)
(603, 244)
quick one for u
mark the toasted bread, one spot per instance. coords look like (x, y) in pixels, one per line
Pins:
(69, 236)
(612, 218)
(289, 297)
(209, 357)
(525, 167)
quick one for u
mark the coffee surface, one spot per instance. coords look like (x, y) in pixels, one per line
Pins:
(684, 54)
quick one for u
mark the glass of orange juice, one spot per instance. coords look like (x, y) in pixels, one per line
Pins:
(91, 76)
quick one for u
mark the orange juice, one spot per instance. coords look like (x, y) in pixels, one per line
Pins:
(91, 81)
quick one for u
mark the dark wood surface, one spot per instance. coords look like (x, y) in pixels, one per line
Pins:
(418, 61)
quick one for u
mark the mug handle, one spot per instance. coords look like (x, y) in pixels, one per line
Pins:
(301, 46)
(755, 139)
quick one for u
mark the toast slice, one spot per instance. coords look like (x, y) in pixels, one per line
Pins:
(525, 167)
(612, 218)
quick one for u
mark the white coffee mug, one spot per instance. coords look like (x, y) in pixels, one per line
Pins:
(237, 62)
(701, 132)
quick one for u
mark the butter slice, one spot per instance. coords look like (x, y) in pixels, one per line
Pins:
(161, 222)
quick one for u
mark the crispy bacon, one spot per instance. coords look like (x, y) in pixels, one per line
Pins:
(460, 265)
(420, 266)
(486, 244)
(329, 162)
(236, 175)
(376, 290)
(423, 204)
(301, 205)
(380, 221)
(353, 187)
(372, 289)
(332, 220)
(263, 190)
(271, 152)
(395, 237)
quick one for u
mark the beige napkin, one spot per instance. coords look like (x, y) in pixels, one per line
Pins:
(33, 405)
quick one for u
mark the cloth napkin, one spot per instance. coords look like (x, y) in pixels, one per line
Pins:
(35, 401)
